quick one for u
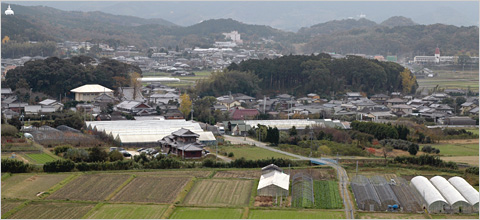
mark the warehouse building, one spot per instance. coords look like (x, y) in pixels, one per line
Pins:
(273, 183)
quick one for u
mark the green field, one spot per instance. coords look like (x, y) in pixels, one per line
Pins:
(473, 130)
(454, 216)
(295, 214)
(127, 211)
(250, 152)
(40, 158)
(206, 213)
(26, 186)
(457, 149)
(53, 210)
(447, 79)
(327, 195)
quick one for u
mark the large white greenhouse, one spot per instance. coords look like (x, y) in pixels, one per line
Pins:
(435, 203)
(147, 132)
(467, 191)
(458, 203)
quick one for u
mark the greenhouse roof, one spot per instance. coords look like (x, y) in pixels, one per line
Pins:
(427, 190)
(464, 188)
(447, 190)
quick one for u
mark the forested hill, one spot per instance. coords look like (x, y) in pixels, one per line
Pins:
(301, 75)
(400, 40)
(335, 26)
(398, 21)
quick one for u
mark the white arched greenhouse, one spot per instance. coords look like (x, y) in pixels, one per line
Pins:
(457, 202)
(467, 191)
(435, 203)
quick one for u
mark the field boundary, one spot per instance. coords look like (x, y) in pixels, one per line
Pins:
(4, 177)
(59, 185)
(253, 193)
(246, 210)
(186, 189)
(97, 207)
(16, 209)
(168, 212)
(132, 177)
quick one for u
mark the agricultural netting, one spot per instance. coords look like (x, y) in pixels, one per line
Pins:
(302, 191)
(46, 135)
(365, 195)
(385, 193)
(410, 200)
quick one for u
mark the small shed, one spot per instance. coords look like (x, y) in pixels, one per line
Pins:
(273, 184)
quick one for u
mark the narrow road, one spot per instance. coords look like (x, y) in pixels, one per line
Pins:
(341, 173)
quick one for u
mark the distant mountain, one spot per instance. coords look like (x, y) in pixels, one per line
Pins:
(335, 26)
(398, 21)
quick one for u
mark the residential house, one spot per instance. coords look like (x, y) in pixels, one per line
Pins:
(9, 114)
(36, 109)
(18, 107)
(88, 92)
(229, 103)
(466, 107)
(350, 96)
(6, 92)
(51, 102)
(183, 143)
(135, 108)
(243, 114)
(395, 101)
(401, 109)
(380, 98)
(459, 121)
(173, 114)
(163, 98)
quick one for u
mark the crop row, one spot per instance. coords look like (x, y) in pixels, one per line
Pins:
(327, 195)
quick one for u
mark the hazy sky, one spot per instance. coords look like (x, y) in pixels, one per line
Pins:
(283, 15)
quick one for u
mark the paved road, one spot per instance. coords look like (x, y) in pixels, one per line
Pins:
(341, 173)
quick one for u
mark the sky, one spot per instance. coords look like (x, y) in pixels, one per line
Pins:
(284, 15)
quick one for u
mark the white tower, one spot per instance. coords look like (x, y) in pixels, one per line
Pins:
(9, 11)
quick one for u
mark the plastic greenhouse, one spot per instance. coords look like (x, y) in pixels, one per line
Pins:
(467, 191)
(434, 201)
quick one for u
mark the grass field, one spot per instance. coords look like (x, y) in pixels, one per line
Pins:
(93, 187)
(53, 210)
(195, 173)
(380, 215)
(454, 216)
(220, 192)
(127, 211)
(26, 186)
(206, 213)
(152, 189)
(473, 130)
(295, 214)
(40, 158)
(471, 160)
(251, 152)
(327, 195)
(457, 149)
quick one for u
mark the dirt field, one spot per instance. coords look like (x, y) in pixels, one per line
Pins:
(241, 174)
(53, 210)
(316, 174)
(9, 205)
(152, 189)
(471, 160)
(91, 187)
(383, 215)
(460, 141)
(263, 201)
(27, 186)
(195, 173)
(220, 192)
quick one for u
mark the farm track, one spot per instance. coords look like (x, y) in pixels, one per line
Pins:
(341, 173)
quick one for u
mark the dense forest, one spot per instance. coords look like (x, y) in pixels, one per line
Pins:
(301, 75)
(54, 76)
(396, 36)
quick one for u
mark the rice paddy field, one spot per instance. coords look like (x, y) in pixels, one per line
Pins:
(206, 213)
(220, 192)
(152, 189)
(53, 210)
(295, 214)
(27, 186)
(127, 211)
(448, 79)
(92, 187)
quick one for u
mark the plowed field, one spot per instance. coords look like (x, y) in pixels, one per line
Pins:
(92, 187)
(220, 192)
(152, 189)
(53, 210)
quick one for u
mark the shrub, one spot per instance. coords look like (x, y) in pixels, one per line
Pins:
(472, 170)
(76, 155)
(14, 166)
(115, 155)
(61, 149)
(230, 154)
(9, 130)
(430, 149)
(59, 166)
(399, 144)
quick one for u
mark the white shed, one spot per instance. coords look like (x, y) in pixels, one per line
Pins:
(467, 191)
(435, 203)
(273, 184)
(457, 202)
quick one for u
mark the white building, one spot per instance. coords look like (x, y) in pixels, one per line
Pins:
(274, 183)
(467, 191)
(434, 201)
(457, 202)
(435, 59)
(88, 92)
(234, 36)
